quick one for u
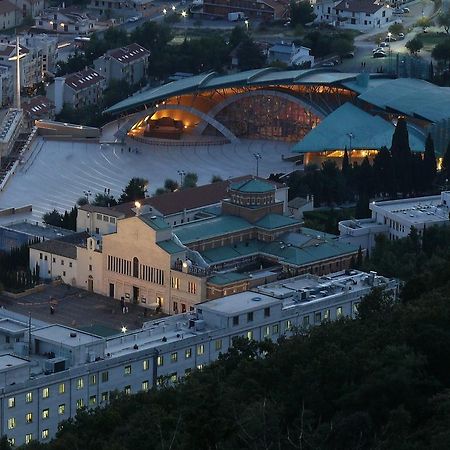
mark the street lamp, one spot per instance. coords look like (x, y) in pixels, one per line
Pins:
(173, 7)
(257, 156)
(87, 194)
(350, 136)
(246, 24)
(164, 11)
(182, 173)
(389, 40)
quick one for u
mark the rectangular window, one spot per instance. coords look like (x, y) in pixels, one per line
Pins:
(11, 402)
(235, 320)
(175, 283)
(200, 367)
(44, 434)
(29, 417)
(267, 312)
(173, 377)
(70, 264)
(288, 325)
(318, 317)
(105, 377)
(11, 423)
(46, 392)
(145, 364)
(187, 372)
(62, 262)
(80, 383)
(61, 409)
(92, 400)
(28, 438)
(62, 388)
(250, 317)
(127, 370)
(355, 308)
(144, 386)
(105, 396)
(40, 255)
(338, 312)
(93, 379)
(200, 349)
(160, 360)
(192, 287)
(127, 390)
(218, 345)
(174, 357)
(266, 332)
(188, 353)
(28, 397)
(275, 329)
(45, 413)
(80, 403)
(305, 321)
(250, 335)
(326, 314)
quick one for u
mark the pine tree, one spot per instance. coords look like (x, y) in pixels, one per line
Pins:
(345, 163)
(383, 170)
(401, 157)
(446, 163)
(429, 163)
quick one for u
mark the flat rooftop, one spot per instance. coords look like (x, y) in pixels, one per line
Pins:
(33, 229)
(12, 326)
(69, 337)
(7, 361)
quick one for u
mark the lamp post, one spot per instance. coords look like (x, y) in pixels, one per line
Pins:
(164, 12)
(182, 173)
(389, 40)
(246, 23)
(350, 136)
(257, 156)
(87, 194)
(184, 15)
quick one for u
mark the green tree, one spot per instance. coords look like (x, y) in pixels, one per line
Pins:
(401, 157)
(396, 28)
(414, 45)
(53, 218)
(102, 199)
(216, 179)
(424, 22)
(301, 13)
(341, 46)
(443, 20)
(429, 163)
(238, 35)
(135, 190)
(171, 185)
(190, 180)
(383, 171)
(250, 55)
(446, 163)
(441, 52)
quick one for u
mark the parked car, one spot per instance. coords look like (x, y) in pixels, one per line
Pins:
(379, 54)
(399, 11)
(401, 36)
(384, 44)
(328, 64)
(133, 19)
(406, 10)
(377, 49)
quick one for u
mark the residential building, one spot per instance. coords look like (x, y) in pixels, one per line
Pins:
(50, 371)
(10, 128)
(37, 108)
(298, 205)
(362, 14)
(62, 21)
(290, 55)
(325, 11)
(265, 10)
(30, 8)
(6, 85)
(128, 64)
(396, 218)
(10, 15)
(242, 244)
(77, 89)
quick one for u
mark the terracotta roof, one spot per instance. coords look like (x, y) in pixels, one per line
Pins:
(198, 197)
(280, 7)
(6, 7)
(38, 106)
(129, 53)
(10, 49)
(83, 79)
(65, 246)
(365, 6)
(102, 210)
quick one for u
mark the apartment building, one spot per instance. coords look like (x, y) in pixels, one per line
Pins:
(10, 15)
(266, 10)
(129, 63)
(64, 21)
(50, 371)
(77, 89)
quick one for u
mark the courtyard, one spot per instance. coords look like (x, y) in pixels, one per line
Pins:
(58, 173)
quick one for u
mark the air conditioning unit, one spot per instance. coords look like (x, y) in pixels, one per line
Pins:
(55, 365)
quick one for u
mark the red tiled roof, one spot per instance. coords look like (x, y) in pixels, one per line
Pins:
(7, 7)
(365, 6)
(83, 79)
(39, 105)
(10, 49)
(129, 53)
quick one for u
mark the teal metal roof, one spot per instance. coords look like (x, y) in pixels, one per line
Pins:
(209, 228)
(170, 247)
(273, 221)
(368, 132)
(258, 77)
(228, 253)
(254, 185)
(157, 223)
(223, 279)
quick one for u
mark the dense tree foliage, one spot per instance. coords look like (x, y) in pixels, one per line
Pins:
(67, 220)
(380, 381)
(134, 190)
(301, 13)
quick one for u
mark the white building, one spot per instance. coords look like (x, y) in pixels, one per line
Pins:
(290, 54)
(48, 371)
(395, 219)
(362, 14)
(64, 21)
(10, 128)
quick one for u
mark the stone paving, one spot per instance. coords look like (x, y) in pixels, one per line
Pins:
(58, 172)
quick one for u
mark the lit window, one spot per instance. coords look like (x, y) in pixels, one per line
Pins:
(11, 423)
(145, 364)
(45, 413)
(288, 325)
(200, 349)
(92, 400)
(200, 367)
(173, 377)
(28, 438)
(61, 409)
(127, 370)
(11, 441)
(338, 312)
(44, 434)
(46, 392)
(326, 314)
(174, 357)
(145, 386)
(218, 344)
(188, 353)
(80, 383)
(11, 402)
(29, 417)
(80, 403)
(175, 283)
(250, 335)
(266, 331)
(355, 308)
(275, 329)
(127, 390)
(192, 287)
(93, 379)
(160, 361)
(105, 396)
(105, 377)
(62, 388)
(187, 372)
(28, 397)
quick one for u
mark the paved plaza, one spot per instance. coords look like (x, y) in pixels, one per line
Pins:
(58, 172)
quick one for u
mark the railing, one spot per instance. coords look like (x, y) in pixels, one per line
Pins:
(192, 269)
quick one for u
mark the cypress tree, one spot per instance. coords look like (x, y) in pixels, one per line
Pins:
(401, 157)
(446, 162)
(345, 163)
(429, 163)
(383, 170)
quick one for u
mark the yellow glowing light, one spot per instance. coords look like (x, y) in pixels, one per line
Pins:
(123, 329)
(137, 204)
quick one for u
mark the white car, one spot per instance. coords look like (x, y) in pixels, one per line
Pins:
(378, 49)
(133, 19)
(379, 54)
(384, 44)
(406, 10)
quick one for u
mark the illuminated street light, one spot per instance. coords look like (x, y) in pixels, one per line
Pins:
(173, 7)
(164, 11)
(257, 156)
(123, 329)
(246, 24)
